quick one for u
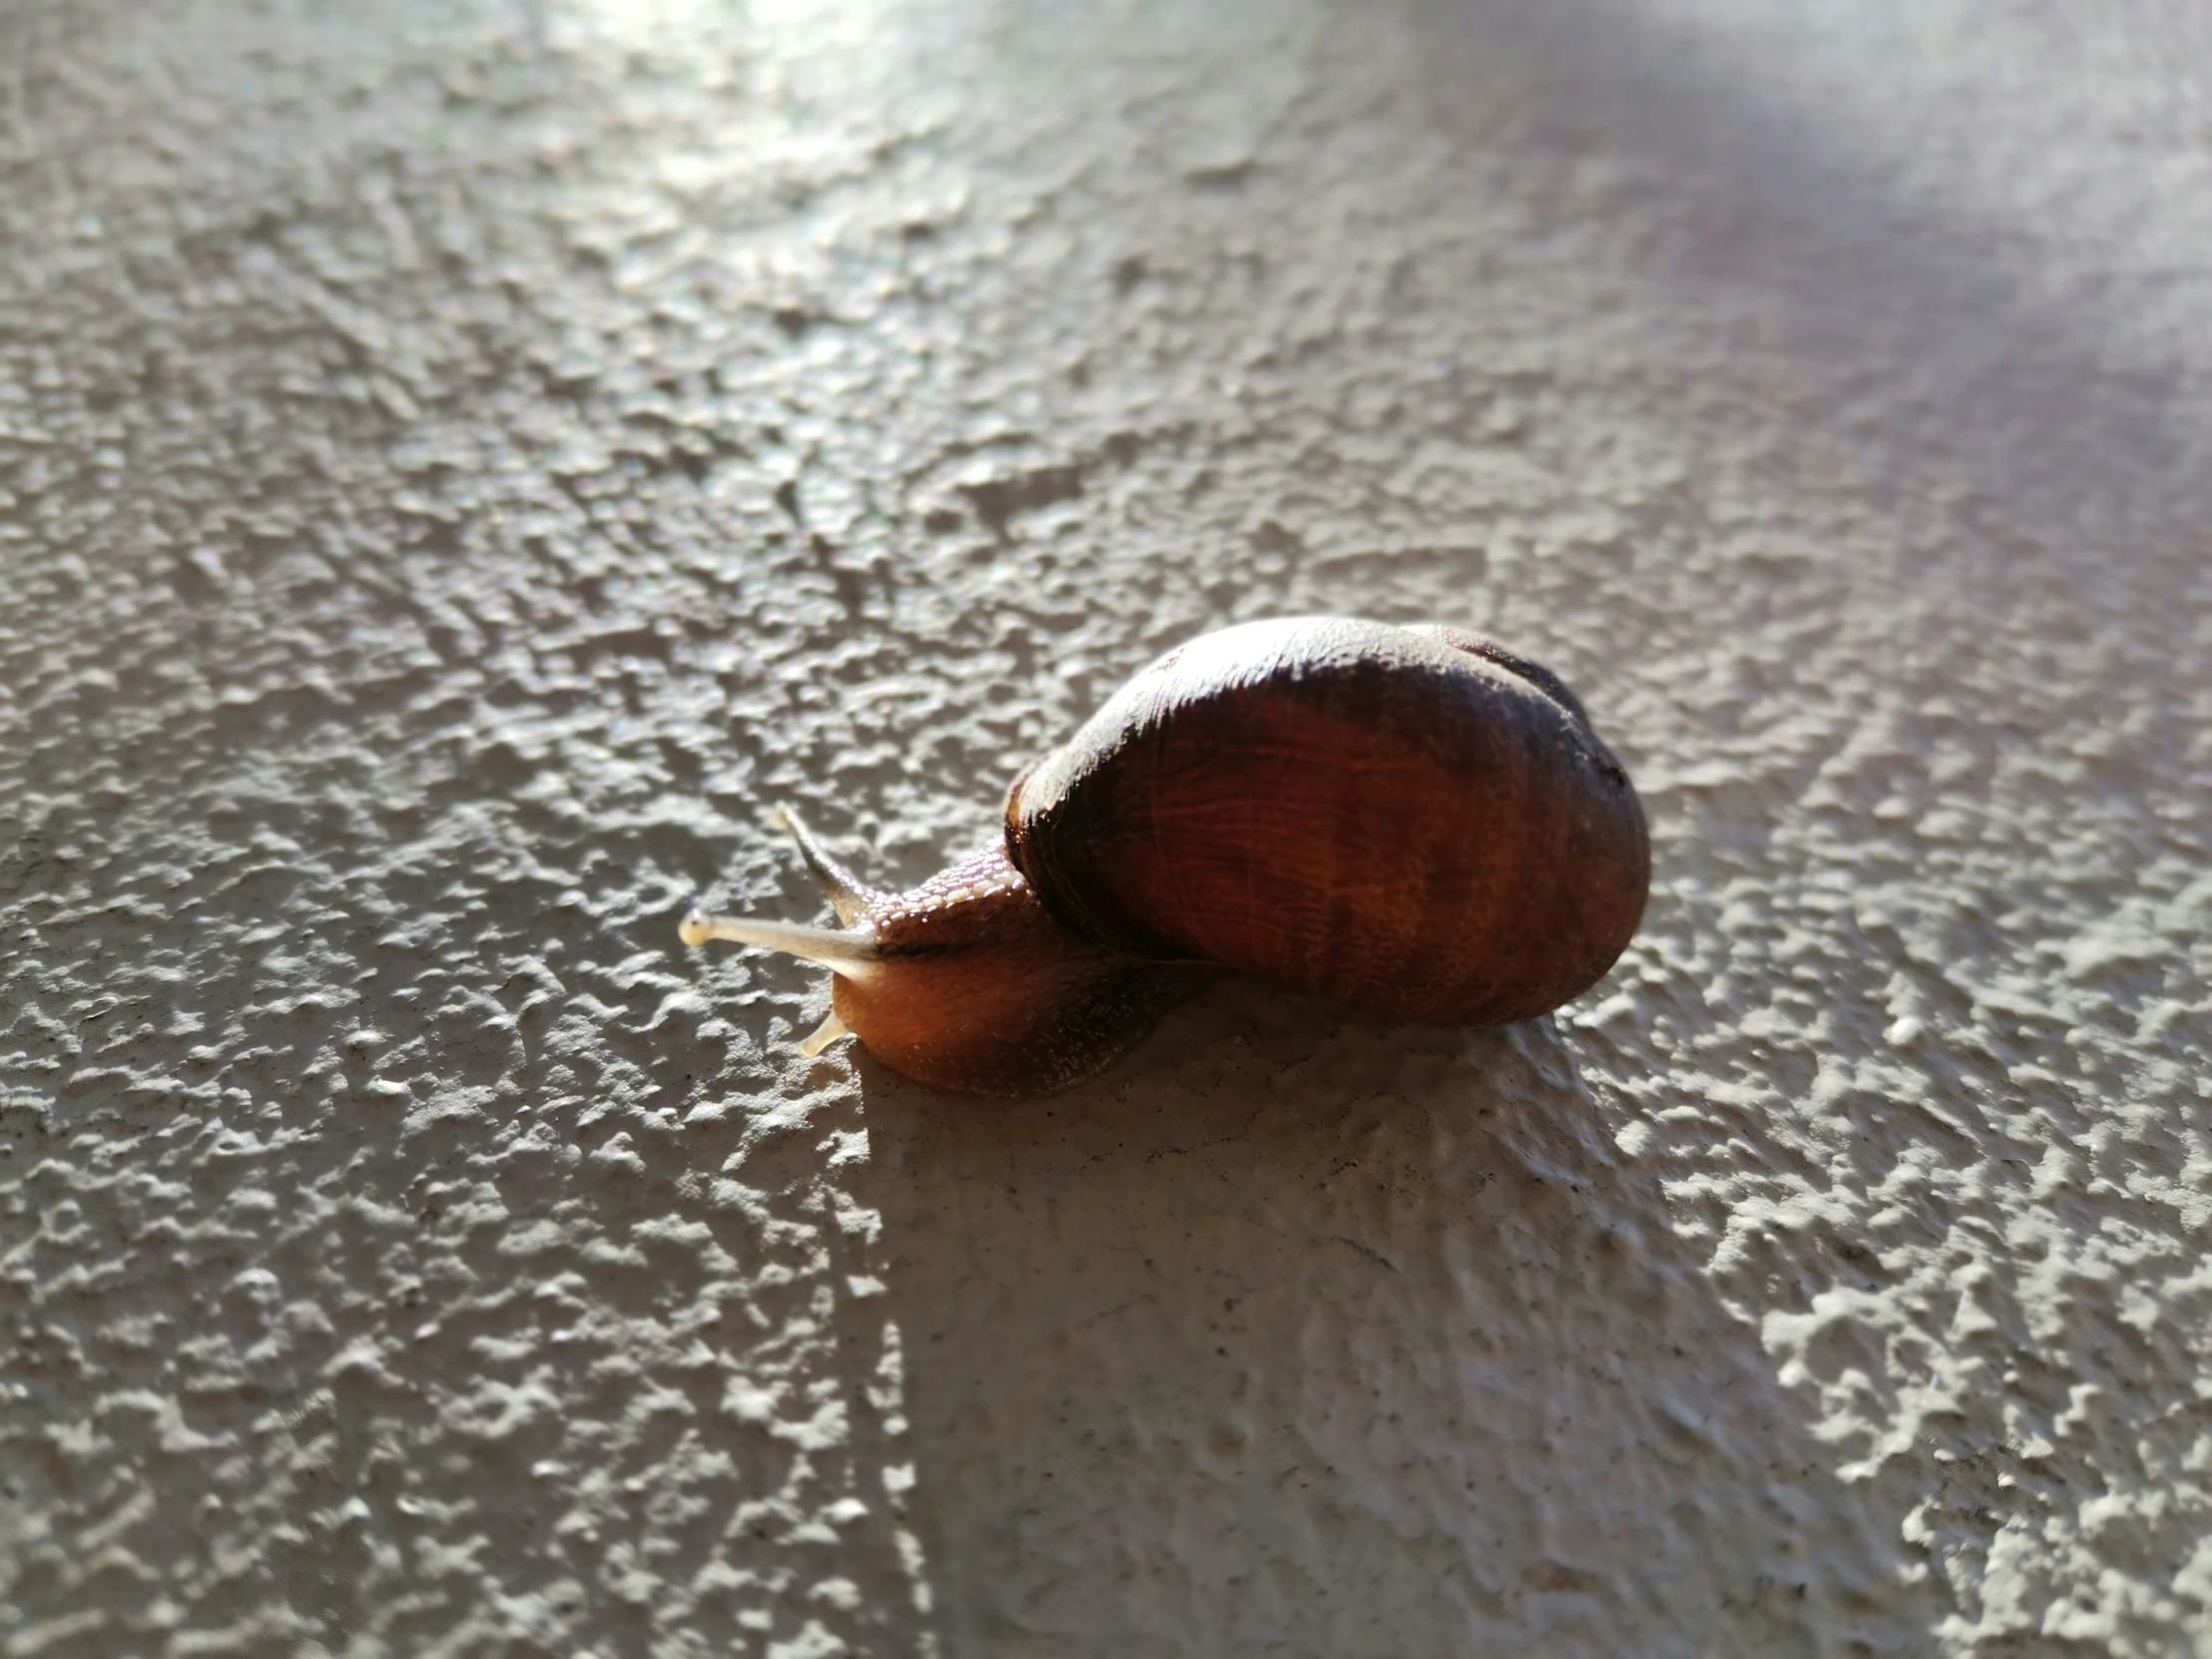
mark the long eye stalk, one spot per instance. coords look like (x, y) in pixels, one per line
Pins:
(848, 949)
(838, 947)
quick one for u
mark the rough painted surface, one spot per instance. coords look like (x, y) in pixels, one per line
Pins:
(453, 474)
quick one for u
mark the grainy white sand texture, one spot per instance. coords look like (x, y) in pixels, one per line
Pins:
(461, 466)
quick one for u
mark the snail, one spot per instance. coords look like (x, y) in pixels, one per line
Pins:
(1410, 820)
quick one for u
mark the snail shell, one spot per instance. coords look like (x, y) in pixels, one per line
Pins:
(1411, 821)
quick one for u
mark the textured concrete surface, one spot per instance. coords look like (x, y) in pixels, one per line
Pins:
(456, 471)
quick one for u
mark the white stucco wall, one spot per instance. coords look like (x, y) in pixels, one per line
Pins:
(455, 474)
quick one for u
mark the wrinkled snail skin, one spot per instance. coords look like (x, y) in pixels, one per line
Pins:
(1410, 820)
(965, 983)
(977, 990)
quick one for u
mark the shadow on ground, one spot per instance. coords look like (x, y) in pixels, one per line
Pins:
(1299, 1333)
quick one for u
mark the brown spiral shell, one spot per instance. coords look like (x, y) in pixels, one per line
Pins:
(1411, 821)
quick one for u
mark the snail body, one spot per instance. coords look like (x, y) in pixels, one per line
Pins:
(1411, 821)
(965, 983)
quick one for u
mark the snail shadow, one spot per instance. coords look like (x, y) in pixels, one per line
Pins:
(1314, 1335)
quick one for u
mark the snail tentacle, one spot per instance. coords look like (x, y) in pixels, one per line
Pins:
(851, 952)
(848, 895)
(822, 1036)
